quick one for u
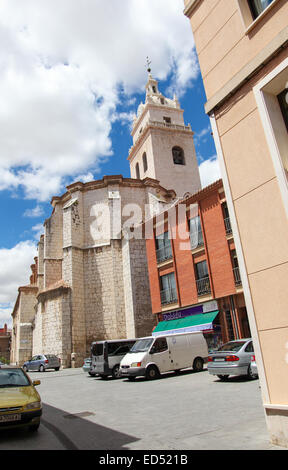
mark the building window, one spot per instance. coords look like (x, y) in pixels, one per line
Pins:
(137, 171)
(196, 235)
(167, 120)
(163, 247)
(235, 267)
(257, 6)
(145, 164)
(283, 102)
(178, 156)
(229, 324)
(202, 278)
(226, 219)
(168, 289)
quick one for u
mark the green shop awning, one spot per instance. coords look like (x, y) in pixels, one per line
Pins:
(200, 322)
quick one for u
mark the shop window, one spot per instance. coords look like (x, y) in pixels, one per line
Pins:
(229, 324)
(178, 156)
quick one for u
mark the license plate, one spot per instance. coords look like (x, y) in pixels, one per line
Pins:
(219, 359)
(124, 371)
(6, 418)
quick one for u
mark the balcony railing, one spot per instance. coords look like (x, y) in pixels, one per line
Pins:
(237, 276)
(168, 296)
(203, 286)
(228, 226)
(164, 253)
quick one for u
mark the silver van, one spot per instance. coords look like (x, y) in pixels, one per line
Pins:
(107, 355)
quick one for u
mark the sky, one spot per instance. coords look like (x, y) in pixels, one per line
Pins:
(72, 74)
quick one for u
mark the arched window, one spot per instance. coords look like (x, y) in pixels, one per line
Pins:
(137, 171)
(178, 156)
(145, 164)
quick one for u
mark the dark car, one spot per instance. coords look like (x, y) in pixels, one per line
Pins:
(42, 362)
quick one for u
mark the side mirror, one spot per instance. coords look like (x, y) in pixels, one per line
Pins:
(36, 382)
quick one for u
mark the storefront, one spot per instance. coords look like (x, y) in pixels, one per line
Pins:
(220, 321)
(202, 317)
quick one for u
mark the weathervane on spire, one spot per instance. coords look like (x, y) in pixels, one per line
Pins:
(148, 64)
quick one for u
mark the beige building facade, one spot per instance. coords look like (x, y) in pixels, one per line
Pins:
(90, 278)
(243, 56)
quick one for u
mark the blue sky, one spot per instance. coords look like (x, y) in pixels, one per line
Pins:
(69, 85)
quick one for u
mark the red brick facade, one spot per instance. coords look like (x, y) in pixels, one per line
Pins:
(217, 250)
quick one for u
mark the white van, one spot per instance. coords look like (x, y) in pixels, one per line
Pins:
(151, 356)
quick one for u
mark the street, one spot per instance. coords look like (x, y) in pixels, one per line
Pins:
(189, 411)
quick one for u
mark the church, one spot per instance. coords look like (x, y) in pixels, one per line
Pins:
(90, 278)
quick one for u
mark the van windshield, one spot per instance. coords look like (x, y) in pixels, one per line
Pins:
(142, 345)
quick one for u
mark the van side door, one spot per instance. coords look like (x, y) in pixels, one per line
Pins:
(159, 354)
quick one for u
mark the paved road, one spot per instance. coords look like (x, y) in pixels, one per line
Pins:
(190, 411)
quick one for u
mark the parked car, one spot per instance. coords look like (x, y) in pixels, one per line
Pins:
(42, 362)
(20, 403)
(232, 358)
(87, 367)
(253, 364)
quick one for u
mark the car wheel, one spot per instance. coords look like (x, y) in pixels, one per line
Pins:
(198, 364)
(152, 373)
(92, 374)
(116, 372)
(250, 374)
(34, 427)
(41, 368)
(57, 368)
(104, 377)
(223, 377)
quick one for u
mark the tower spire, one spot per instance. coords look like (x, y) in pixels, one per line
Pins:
(148, 62)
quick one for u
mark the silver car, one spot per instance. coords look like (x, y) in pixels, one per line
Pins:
(42, 362)
(232, 358)
(254, 368)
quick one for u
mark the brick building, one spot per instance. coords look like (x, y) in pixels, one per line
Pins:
(193, 269)
(90, 281)
(5, 339)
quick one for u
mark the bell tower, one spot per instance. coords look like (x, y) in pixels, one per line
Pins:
(163, 147)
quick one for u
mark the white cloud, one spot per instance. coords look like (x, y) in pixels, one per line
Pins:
(36, 211)
(38, 230)
(62, 66)
(202, 135)
(17, 262)
(209, 171)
